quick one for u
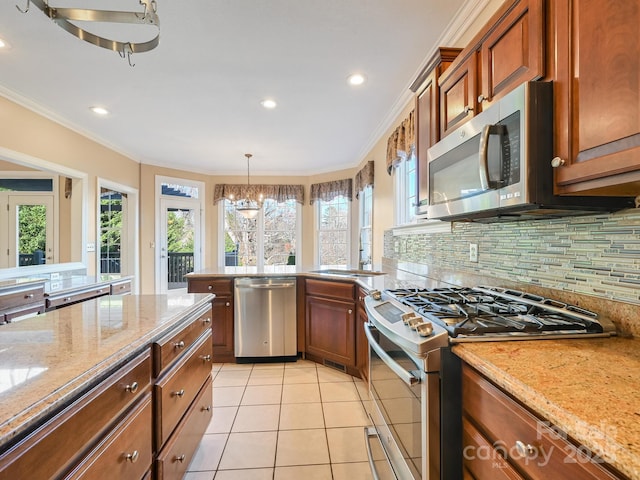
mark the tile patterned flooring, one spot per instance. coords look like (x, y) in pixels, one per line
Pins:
(284, 421)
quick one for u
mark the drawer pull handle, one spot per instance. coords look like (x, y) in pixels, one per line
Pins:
(99, 291)
(527, 451)
(228, 304)
(209, 287)
(29, 296)
(132, 457)
(133, 388)
(179, 393)
(180, 458)
(179, 344)
(205, 358)
(206, 409)
(349, 311)
(66, 299)
(207, 320)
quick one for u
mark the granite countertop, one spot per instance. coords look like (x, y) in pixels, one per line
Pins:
(50, 358)
(587, 388)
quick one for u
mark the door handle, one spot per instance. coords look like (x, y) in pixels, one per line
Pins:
(487, 131)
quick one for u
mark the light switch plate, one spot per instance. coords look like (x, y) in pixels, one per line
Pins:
(91, 247)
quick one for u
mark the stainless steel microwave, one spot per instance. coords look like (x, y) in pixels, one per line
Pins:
(497, 166)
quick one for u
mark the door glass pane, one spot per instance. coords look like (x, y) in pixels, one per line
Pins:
(180, 230)
(111, 229)
(32, 234)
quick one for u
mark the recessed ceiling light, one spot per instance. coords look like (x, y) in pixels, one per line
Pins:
(268, 103)
(4, 45)
(99, 110)
(356, 79)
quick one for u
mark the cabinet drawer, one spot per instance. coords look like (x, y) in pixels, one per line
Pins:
(174, 344)
(57, 444)
(173, 460)
(501, 419)
(121, 288)
(336, 290)
(21, 296)
(222, 286)
(56, 301)
(179, 386)
(9, 315)
(125, 452)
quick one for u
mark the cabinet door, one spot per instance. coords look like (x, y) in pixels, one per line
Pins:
(458, 94)
(222, 326)
(427, 130)
(513, 52)
(597, 96)
(331, 330)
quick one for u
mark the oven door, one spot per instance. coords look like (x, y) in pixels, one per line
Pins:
(399, 390)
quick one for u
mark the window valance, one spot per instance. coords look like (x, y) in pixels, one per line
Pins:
(364, 177)
(327, 191)
(279, 193)
(401, 140)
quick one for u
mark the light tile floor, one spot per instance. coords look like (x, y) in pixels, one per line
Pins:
(284, 421)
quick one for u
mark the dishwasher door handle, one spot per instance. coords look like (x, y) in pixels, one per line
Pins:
(272, 286)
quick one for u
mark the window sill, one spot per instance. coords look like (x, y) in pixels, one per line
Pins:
(428, 226)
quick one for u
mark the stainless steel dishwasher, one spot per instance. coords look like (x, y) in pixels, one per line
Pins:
(265, 319)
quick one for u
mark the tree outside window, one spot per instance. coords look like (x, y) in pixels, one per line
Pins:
(333, 232)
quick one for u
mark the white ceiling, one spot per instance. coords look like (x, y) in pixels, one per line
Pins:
(194, 102)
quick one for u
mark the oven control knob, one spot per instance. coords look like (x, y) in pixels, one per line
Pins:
(408, 317)
(415, 322)
(425, 329)
(375, 294)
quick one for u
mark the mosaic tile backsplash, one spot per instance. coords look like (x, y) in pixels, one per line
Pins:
(594, 255)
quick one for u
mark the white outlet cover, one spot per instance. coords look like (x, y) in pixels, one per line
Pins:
(473, 252)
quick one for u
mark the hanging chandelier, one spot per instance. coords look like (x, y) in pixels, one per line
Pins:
(65, 18)
(249, 206)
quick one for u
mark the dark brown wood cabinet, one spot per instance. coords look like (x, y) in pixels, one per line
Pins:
(597, 97)
(504, 440)
(362, 344)
(508, 51)
(330, 313)
(222, 314)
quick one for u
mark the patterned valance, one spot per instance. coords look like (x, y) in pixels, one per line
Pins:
(401, 141)
(327, 191)
(364, 178)
(279, 193)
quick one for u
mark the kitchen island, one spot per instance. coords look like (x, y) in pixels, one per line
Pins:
(55, 360)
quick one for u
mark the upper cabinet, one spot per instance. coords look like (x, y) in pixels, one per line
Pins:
(597, 97)
(507, 52)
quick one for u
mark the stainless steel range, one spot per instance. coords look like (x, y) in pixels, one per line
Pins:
(415, 379)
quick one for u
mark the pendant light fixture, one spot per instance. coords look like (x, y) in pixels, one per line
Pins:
(249, 206)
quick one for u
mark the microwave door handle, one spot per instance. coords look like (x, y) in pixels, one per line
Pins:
(407, 377)
(484, 160)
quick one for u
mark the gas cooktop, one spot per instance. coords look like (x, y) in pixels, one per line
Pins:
(491, 313)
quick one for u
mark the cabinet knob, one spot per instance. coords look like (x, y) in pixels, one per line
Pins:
(207, 320)
(133, 388)
(481, 98)
(349, 311)
(29, 296)
(132, 457)
(99, 290)
(468, 109)
(179, 458)
(557, 162)
(206, 409)
(179, 393)
(209, 287)
(205, 358)
(66, 299)
(179, 344)
(228, 304)
(360, 298)
(527, 451)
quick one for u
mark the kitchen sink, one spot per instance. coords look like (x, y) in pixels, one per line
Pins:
(347, 273)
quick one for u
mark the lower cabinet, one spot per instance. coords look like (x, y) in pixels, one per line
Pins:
(504, 440)
(362, 344)
(330, 330)
(19, 300)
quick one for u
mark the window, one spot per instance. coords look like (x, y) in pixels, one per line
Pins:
(333, 232)
(405, 184)
(366, 210)
(267, 243)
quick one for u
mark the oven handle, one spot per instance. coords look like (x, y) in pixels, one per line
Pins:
(407, 377)
(369, 433)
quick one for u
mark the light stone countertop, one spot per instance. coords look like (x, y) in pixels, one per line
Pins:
(589, 388)
(48, 359)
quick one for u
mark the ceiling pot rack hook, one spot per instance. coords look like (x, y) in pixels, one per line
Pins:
(147, 3)
(26, 9)
(127, 50)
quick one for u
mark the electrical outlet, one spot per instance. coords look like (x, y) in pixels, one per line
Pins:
(473, 252)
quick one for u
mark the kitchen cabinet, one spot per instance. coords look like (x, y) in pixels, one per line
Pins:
(61, 443)
(508, 51)
(222, 315)
(362, 344)
(504, 440)
(74, 294)
(597, 97)
(121, 287)
(428, 115)
(21, 299)
(330, 313)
